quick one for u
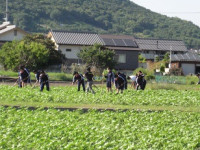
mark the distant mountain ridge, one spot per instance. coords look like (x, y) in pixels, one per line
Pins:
(101, 16)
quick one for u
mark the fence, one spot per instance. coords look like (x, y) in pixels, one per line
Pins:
(170, 79)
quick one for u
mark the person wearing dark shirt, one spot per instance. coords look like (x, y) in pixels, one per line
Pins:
(89, 76)
(123, 76)
(29, 76)
(79, 77)
(120, 82)
(44, 80)
(141, 82)
(23, 76)
(109, 80)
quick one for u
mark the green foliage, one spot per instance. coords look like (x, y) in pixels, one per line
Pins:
(53, 129)
(157, 59)
(166, 57)
(114, 16)
(33, 55)
(162, 68)
(98, 56)
(141, 58)
(69, 95)
(148, 74)
(34, 51)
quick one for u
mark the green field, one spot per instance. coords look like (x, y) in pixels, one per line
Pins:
(52, 129)
(157, 118)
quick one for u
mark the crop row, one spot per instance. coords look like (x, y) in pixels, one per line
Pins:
(130, 97)
(52, 129)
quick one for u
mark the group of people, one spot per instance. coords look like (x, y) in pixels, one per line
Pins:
(119, 80)
(25, 78)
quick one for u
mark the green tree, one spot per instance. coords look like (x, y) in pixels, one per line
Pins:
(98, 56)
(55, 57)
(34, 51)
(33, 55)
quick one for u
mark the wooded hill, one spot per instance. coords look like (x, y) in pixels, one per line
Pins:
(101, 16)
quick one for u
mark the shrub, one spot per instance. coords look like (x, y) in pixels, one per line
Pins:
(149, 75)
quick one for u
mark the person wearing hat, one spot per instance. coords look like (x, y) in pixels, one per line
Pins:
(44, 80)
(89, 76)
(78, 77)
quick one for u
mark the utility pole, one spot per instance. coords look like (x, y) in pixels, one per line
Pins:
(170, 61)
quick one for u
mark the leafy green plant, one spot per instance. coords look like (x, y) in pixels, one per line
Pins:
(53, 129)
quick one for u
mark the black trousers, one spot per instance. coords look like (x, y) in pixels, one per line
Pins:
(79, 85)
(43, 84)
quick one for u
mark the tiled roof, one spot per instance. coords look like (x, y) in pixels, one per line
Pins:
(165, 45)
(76, 38)
(4, 24)
(189, 57)
(8, 28)
(119, 41)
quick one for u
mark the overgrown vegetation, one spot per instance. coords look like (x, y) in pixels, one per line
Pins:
(114, 16)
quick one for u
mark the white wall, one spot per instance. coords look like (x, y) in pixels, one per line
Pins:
(73, 53)
(9, 36)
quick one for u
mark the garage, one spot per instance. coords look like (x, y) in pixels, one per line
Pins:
(188, 68)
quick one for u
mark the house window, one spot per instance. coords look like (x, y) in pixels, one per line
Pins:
(15, 32)
(68, 50)
(121, 58)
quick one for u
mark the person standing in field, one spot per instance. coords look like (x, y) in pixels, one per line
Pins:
(79, 77)
(109, 80)
(141, 82)
(89, 76)
(44, 81)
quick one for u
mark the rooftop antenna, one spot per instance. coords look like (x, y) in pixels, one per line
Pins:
(6, 18)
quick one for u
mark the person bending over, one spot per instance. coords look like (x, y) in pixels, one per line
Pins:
(79, 77)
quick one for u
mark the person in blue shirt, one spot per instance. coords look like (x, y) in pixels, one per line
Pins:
(79, 77)
(109, 80)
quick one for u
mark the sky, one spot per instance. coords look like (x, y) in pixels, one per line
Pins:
(185, 9)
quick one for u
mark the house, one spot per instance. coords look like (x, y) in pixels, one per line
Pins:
(10, 32)
(188, 62)
(126, 50)
(71, 43)
(152, 48)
